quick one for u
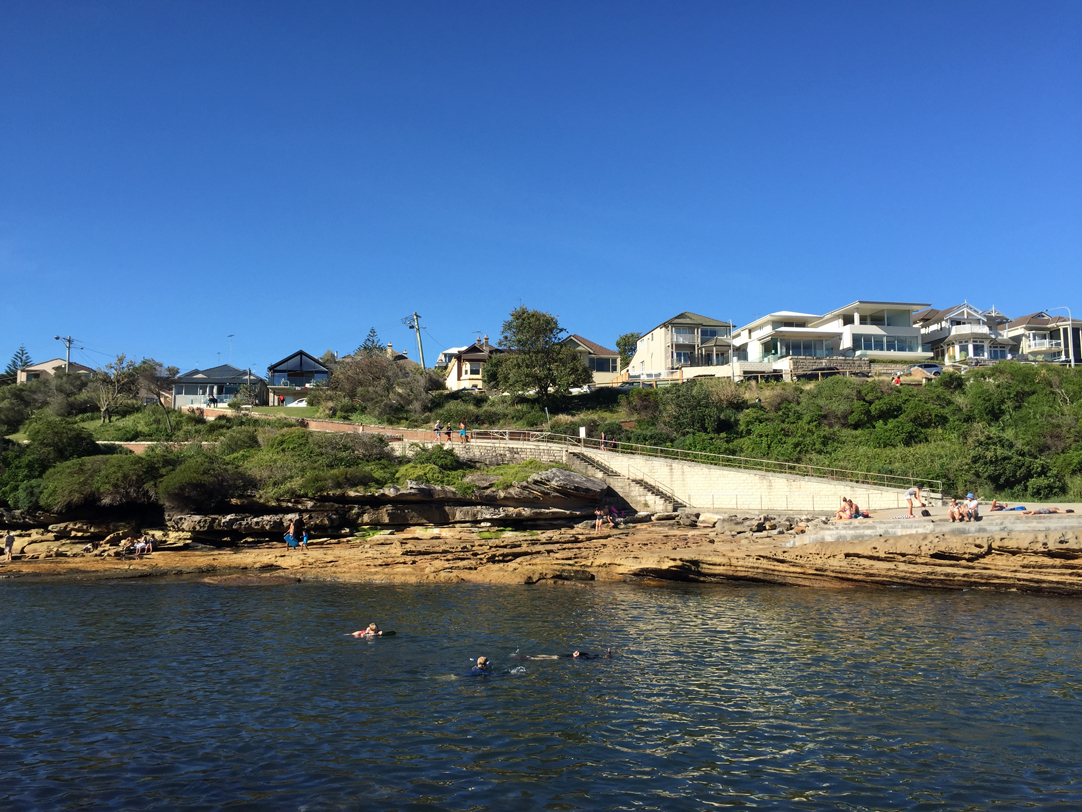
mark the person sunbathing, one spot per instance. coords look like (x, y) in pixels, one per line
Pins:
(997, 505)
(1045, 511)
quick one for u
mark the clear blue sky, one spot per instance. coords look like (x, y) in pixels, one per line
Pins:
(296, 173)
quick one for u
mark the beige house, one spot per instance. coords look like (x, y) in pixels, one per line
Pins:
(603, 362)
(464, 368)
(1043, 337)
(685, 345)
(47, 369)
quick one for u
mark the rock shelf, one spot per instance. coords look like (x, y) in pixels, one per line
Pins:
(1043, 555)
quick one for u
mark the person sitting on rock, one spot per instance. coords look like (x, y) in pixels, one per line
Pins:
(854, 510)
(371, 631)
(955, 511)
(846, 512)
(972, 508)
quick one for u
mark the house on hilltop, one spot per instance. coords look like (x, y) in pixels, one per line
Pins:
(686, 340)
(603, 362)
(47, 369)
(293, 375)
(218, 385)
(464, 368)
(965, 333)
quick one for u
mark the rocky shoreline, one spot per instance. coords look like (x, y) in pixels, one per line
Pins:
(687, 547)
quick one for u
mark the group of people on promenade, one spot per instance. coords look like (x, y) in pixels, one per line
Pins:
(463, 432)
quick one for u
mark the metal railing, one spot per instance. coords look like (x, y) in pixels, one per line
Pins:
(724, 460)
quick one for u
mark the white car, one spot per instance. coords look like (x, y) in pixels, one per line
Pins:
(298, 402)
(928, 367)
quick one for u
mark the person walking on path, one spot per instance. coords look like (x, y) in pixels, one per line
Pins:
(9, 545)
(438, 429)
(462, 435)
(910, 495)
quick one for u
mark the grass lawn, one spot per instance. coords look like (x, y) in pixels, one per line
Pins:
(288, 411)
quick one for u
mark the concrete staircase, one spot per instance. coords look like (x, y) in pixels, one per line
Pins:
(638, 492)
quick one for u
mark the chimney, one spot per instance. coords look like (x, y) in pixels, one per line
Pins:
(390, 350)
(486, 346)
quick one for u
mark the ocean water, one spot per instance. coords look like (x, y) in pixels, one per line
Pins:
(190, 696)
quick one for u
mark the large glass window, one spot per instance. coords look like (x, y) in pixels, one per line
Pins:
(684, 334)
(708, 333)
(874, 343)
(682, 357)
(473, 368)
(978, 351)
(997, 353)
(601, 364)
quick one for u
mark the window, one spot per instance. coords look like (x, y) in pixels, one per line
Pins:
(874, 343)
(683, 335)
(997, 353)
(847, 319)
(978, 351)
(682, 357)
(473, 368)
(708, 332)
(601, 364)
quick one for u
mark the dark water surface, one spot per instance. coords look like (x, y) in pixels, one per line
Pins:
(166, 696)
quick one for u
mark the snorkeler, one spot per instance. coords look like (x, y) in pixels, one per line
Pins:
(574, 655)
(483, 667)
(371, 631)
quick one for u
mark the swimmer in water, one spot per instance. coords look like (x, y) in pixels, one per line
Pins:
(574, 655)
(483, 667)
(371, 631)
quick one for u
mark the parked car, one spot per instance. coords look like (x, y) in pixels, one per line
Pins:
(927, 367)
(301, 402)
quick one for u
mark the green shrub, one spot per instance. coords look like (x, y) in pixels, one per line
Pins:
(424, 472)
(240, 438)
(28, 497)
(443, 457)
(200, 485)
(71, 484)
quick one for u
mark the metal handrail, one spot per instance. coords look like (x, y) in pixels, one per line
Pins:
(668, 493)
(725, 460)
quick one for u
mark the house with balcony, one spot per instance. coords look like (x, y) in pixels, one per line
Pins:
(604, 363)
(292, 377)
(685, 346)
(965, 334)
(788, 342)
(465, 368)
(1043, 337)
(217, 386)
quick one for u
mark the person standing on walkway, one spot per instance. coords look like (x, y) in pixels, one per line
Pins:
(438, 429)
(910, 495)
(9, 545)
(462, 435)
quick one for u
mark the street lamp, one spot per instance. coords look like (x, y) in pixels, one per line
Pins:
(1070, 331)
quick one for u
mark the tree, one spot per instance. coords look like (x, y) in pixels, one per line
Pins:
(625, 345)
(115, 382)
(156, 380)
(19, 360)
(372, 344)
(537, 361)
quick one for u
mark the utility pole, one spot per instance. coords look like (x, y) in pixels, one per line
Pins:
(230, 348)
(414, 323)
(67, 356)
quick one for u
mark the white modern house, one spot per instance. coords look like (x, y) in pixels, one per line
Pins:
(966, 334)
(687, 345)
(868, 330)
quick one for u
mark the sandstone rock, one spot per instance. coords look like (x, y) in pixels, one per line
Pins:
(481, 480)
(664, 517)
(708, 519)
(569, 483)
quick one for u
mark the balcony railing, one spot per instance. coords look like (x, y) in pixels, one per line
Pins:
(1044, 345)
(971, 330)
